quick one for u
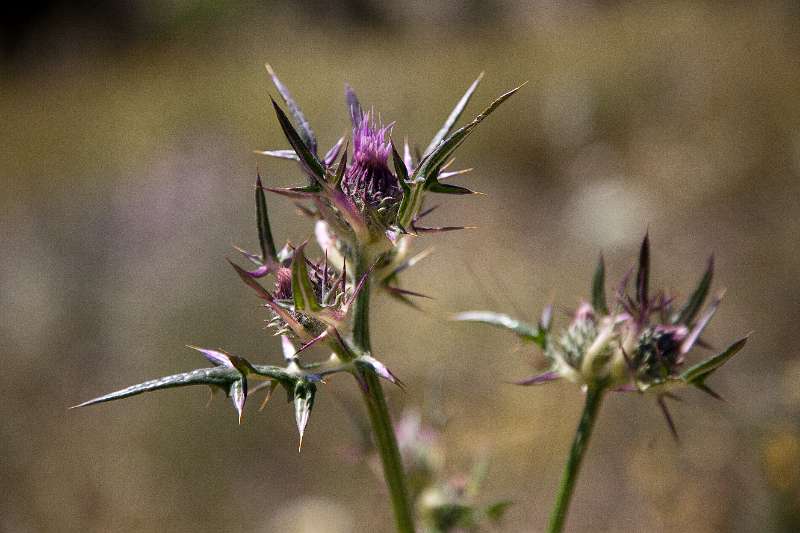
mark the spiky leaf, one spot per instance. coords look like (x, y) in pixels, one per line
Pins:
(689, 311)
(500, 320)
(219, 376)
(306, 133)
(437, 157)
(697, 374)
(305, 299)
(428, 168)
(599, 287)
(265, 239)
(308, 160)
(455, 114)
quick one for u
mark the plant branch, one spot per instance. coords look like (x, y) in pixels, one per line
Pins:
(594, 397)
(379, 418)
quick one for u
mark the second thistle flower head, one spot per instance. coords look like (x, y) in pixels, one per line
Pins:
(640, 342)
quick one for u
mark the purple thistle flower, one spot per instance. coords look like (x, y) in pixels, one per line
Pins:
(368, 179)
(376, 198)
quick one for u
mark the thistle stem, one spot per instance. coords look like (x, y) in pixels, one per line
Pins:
(594, 397)
(379, 418)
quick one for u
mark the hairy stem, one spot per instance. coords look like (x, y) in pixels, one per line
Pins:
(379, 418)
(594, 397)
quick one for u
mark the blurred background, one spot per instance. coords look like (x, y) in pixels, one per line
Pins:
(127, 167)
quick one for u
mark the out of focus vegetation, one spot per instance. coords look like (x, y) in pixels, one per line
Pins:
(127, 170)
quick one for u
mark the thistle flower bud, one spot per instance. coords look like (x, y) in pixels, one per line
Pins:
(309, 301)
(639, 343)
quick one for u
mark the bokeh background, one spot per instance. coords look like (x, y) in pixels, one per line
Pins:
(127, 166)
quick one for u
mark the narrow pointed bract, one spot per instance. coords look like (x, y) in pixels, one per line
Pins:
(599, 287)
(307, 134)
(524, 331)
(308, 160)
(266, 242)
(539, 379)
(643, 274)
(698, 297)
(455, 114)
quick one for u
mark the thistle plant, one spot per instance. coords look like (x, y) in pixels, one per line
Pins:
(638, 343)
(366, 209)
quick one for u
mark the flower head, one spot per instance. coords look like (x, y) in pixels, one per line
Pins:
(367, 205)
(310, 299)
(639, 343)
(368, 179)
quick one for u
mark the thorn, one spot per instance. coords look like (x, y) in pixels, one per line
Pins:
(210, 397)
(673, 396)
(312, 342)
(663, 405)
(705, 388)
(267, 397)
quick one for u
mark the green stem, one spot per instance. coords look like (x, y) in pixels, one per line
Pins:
(594, 397)
(379, 418)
